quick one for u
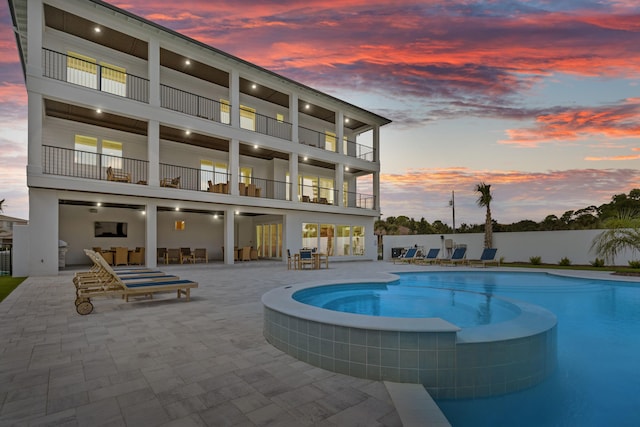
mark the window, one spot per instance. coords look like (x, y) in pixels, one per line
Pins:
(245, 175)
(330, 141)
(343, 240)
(309, 235)
(220, 174)
(280, 118)
(358, 240)
(113, 79)
(112, 154)
(206, 173)
(308, 188)
(247, 118)
(82, 70)
(345, 193)
(327, 236)
(225, 111)
(180, 225)
(269, 240)
(86, 149)
(326, 190)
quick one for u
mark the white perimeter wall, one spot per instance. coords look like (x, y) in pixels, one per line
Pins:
(551, 246)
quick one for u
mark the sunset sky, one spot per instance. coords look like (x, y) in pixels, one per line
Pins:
(539, 98)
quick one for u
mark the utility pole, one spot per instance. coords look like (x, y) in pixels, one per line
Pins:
(452, 203)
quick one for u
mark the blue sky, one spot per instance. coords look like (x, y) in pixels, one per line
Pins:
(540, 99)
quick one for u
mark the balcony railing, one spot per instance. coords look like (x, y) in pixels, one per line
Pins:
(359, 151)
(71, 69)
(359, 200)
(316, 194)
(267, 188)
(84, 164)
(194, 105)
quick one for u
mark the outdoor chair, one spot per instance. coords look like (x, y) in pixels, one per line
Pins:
(246, 254)
(121, 256)
(117, 176)
(306, 258)
(200, 254)
(186, 254)
(137, 256)
(458, 257)
(163, 255)
(432, 256)
(170, 182)
(173, 255)
(408, 256)
(488, 257)
(292, 261)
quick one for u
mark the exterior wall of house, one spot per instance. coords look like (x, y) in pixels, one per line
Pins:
(551, 246)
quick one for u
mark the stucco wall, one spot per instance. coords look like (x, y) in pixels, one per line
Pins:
(551, 246)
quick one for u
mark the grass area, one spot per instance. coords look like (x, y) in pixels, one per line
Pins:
(8, 284)
(615, 269)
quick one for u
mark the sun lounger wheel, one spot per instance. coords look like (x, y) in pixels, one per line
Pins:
(85, 307)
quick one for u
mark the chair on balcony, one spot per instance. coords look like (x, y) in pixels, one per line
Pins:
(211, 188)
(170, 182)
(251, 190)
(200, 254)
(137, 256)
(242, 188)
(117, 175)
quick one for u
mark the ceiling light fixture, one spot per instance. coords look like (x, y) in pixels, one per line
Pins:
(98, 204)
(255, 146)
(99, 111)
(346, 168)
(188, 132)
(254, 86)
(177, 209)
(187, 62)
(307, 106)
(97, 29)
(305, 158)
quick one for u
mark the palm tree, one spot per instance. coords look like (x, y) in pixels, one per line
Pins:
(484, 200)
(623, 232)
(1, 203)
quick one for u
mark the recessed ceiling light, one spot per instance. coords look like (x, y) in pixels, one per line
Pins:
(254, 86)
(98, 204)
(188, 132)
(255, 146)
(215, 216)
(305, 158)
(307, 106)
(97, 29)
(99, 111)
(237, 212)
(346, 120)
(144, 212)
(346, 168)
(187, 62)
(177, 209)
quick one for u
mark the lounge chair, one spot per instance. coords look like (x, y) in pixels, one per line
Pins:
(488, 257)
(102, 280)
(458, 257)
(432, 257)
(408, 256)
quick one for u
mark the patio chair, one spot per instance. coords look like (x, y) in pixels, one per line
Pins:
(137, 256)
(306, 258)
(408, 256)
(458, 257)
(432, 257)
(173, 254)
(292, 261)
(246, 254)
(200, 254)
(163, 255)
(117, 175)
(121, 256)
(170, 182)
(186, 254)
(488, 257)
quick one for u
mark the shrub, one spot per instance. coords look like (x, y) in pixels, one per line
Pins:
(564, 261)
(634, 264)
(535, 260)
(597, 262)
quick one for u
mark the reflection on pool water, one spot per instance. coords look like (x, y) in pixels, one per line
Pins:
(460, 307)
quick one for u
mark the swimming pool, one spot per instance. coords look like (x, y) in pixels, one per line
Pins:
(492, 354)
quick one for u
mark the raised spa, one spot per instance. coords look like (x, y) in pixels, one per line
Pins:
(458, 344)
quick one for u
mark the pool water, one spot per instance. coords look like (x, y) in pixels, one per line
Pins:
(597, 381)
(399, 299)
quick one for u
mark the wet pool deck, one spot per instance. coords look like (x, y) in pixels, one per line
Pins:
(167, 362)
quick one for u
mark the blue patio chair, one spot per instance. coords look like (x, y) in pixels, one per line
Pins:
(458, 257)
(432, 256)
(408, 256)
(488, 257)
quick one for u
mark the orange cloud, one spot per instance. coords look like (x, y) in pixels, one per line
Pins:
(612, 122)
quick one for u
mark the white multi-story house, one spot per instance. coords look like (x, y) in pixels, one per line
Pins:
(139, 136)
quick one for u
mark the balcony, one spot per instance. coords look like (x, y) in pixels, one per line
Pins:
(88, 165)
(116, 81)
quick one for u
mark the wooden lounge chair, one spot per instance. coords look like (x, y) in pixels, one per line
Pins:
(111, 284)
(488, 257)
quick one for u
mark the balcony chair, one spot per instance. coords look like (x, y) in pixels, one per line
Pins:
(170, 182)
(117, 175)
(211, 188)
(242, 188)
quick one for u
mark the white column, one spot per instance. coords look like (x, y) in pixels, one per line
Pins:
(154, 72)
(376, 159)
(376, 190)
(234, 166)
(234, 94)
(340, 183)
(294, 116)
(34, 133)
(229, 235)
(340, 133)
(376, 144)
(153, 152)
(35, 21)
(293, 175)
(43, 232)
(151, 243)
